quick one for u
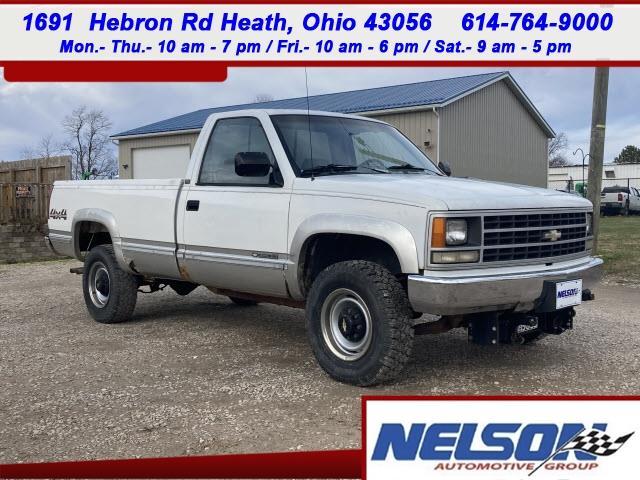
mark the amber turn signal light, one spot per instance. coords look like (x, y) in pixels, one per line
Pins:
(438, 233)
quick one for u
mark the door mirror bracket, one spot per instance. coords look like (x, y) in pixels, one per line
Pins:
(445, 168)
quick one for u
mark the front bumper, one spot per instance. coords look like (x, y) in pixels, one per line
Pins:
(453, 293)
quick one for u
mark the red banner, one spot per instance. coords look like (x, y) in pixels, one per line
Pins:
(321, 464)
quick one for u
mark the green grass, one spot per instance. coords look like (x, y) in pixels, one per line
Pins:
(619, 247)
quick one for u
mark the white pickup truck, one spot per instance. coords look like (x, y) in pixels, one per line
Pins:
(620, 200)
(342, 216)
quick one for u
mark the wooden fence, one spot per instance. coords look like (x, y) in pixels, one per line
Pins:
(24, 203)
(25, 188)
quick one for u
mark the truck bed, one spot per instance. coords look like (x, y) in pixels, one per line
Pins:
(613, 201)
(149, 228)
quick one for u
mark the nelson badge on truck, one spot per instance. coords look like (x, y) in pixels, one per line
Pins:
(358, 227)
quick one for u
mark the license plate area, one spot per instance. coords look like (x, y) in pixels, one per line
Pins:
(559, 295)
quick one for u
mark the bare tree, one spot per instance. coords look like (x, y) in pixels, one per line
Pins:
(556, 150)
(88, 143)
(46, 148)
(263, 97)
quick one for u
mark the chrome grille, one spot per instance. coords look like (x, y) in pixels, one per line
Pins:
(514, 237)
(532, 220)
(523, 237)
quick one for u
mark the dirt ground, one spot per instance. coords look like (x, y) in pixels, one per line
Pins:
(197, 374)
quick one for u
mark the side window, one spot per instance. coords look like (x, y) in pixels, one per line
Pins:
(231, 136)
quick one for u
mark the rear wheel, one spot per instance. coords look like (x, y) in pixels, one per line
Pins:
(110, 293)
(625, 210)
(359, 323)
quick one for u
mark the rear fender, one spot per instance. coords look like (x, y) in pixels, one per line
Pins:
(106, 219)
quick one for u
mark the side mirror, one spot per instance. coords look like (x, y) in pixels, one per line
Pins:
(445, 167)
(252, 164)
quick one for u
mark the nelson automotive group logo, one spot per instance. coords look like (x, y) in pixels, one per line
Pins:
(464, 437)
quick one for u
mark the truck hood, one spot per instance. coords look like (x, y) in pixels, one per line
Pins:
(447, 193)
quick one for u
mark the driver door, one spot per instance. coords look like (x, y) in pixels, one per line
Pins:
(234, 233)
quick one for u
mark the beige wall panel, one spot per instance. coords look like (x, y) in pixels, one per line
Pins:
(490, 135)
(419, 126)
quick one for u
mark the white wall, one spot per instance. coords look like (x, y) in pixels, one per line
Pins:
(612, 174)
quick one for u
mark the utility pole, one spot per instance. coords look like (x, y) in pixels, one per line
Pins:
(596, 146)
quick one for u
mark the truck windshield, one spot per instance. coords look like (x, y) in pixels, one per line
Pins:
(346, 146)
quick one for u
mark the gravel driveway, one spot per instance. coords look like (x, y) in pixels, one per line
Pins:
(198, 374)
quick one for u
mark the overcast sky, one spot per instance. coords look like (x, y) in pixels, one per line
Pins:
(29, 111)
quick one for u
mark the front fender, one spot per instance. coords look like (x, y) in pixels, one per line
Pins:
(394, 234)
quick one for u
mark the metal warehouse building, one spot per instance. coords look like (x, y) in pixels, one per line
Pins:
(484, 126)
(624, 175)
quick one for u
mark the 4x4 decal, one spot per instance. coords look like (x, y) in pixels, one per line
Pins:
(58, 214)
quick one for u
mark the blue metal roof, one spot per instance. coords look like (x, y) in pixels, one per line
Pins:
(433, 92)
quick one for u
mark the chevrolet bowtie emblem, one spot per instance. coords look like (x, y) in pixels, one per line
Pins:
(552, 235)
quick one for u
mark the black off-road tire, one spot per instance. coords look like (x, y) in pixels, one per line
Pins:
(391, 322)
(243, 302)
(122, 287)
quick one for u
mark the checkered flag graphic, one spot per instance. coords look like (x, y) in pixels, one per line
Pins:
(597, 443)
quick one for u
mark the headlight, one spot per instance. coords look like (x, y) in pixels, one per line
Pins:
(448, 232)
(589, 224)
(456, 232)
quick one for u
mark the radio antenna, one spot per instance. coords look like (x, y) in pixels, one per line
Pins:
(306, 83)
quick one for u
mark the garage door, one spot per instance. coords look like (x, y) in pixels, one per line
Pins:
(161, 162)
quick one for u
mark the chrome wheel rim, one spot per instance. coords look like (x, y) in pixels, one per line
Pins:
(99, 284)
(346, 324)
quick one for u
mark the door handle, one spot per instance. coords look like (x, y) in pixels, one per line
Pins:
(193, 205)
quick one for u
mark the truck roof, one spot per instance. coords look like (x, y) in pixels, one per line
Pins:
(279, 111)
(268, 111)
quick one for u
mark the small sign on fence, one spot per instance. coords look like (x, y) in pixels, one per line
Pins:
(24, 191)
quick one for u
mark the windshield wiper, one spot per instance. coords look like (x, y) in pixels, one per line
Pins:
(373, 169)
(406, 166)
(328, 168)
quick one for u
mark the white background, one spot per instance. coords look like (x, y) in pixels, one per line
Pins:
(619, 43)
(622, 418)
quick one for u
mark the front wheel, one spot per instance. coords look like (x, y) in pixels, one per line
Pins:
(110, 293)
(359, 323)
